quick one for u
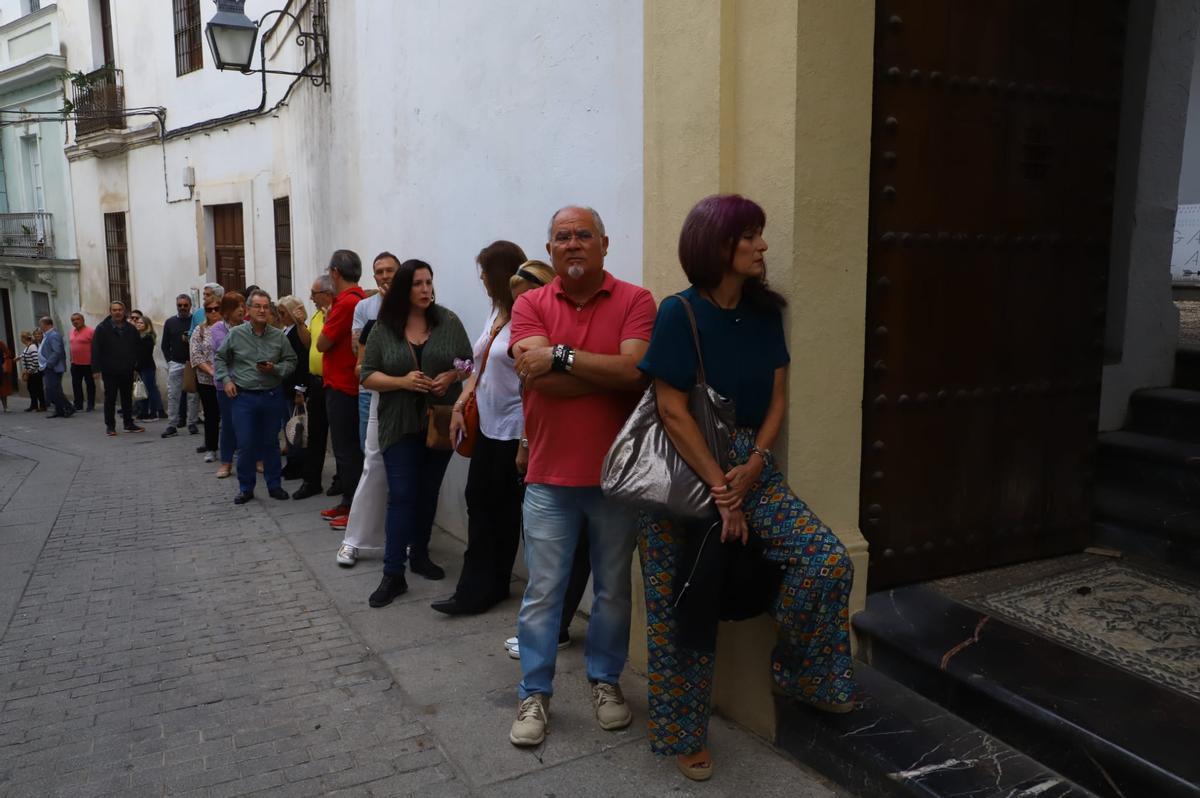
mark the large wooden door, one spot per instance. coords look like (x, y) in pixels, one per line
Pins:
(230, 249)
(993, 145)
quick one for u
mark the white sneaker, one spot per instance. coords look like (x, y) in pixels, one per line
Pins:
(611, 709)
(512, 646)
(347, 555)
(210, 457)
(532, 716)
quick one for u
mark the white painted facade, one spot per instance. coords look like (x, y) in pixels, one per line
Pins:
(445, 126)
(38, 273)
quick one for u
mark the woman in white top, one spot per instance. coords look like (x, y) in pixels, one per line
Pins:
(495, 482)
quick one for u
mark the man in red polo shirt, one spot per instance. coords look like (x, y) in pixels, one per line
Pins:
(577, 343)
(341, 383)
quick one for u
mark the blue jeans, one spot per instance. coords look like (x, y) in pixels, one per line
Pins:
(256, 424)
(364, 411)
(554, 518)
(152, 405)
(228, 439)
(55, 398)
(414, 476)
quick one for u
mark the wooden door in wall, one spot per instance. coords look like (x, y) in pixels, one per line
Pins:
(993, 149)
(229, 245)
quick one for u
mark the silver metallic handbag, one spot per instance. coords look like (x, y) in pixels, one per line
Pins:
(643, 468)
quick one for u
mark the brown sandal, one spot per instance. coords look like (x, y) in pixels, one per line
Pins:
(697, 766)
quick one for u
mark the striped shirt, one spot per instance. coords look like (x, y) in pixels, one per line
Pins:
(29, 359)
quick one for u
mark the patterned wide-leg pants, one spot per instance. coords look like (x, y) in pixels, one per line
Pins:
(811, 660)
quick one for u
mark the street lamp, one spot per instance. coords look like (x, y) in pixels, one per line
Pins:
(231, 35)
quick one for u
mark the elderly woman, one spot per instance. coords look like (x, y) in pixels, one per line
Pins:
(745, 355)
(494, 484)
(31, 370)
(233, 313)
(410, 359)
(293, 316)
(202, 353)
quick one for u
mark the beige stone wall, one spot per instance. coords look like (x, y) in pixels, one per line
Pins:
(772, 99)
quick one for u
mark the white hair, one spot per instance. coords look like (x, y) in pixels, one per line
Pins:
(217, 290)
(595, 219)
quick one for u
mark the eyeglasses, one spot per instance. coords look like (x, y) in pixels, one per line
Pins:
(211, 310)
(564, 236)
(183, 307)
(260, 307)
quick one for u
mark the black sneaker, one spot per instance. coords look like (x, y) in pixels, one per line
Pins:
(201, 449)
(193, 429)
(278, 493)
(169, 432)
(421, 564)
(111, 432)
(390, 587)
(305, 490)
(335, 488)
(134, 428)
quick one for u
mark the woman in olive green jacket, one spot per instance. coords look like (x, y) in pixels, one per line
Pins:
(413, 359)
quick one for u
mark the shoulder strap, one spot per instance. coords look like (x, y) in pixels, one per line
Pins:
(687, 306)
(487, 350)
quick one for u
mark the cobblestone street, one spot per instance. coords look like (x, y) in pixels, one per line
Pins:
(158, 640)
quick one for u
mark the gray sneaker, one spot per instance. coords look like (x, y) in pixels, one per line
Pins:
(532, 716)
(347, 555)
(611, 709)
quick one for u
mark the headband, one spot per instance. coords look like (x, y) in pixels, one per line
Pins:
(525, 274)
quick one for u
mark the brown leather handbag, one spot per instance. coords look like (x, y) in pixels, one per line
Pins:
(437, 417)
(470, 411)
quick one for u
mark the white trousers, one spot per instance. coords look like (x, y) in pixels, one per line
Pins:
(365, 527)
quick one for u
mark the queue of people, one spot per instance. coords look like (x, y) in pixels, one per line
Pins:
(394, 384)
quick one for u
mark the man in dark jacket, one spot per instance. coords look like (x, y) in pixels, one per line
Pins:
(114, 358)
(175, 350)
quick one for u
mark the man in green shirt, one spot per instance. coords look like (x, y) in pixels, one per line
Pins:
(253, 360)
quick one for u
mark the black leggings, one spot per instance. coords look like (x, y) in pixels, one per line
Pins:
(212, 416)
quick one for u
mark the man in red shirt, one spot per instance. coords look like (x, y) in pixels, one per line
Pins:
(577, 342)
(81, 363)
(341, 383)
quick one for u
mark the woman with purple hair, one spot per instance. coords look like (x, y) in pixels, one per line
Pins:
(744, 350)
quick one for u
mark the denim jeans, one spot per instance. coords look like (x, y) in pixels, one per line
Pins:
(152, 405)
(554, 517)
(55, 399)
(414, 477)
(227, 438)
(364, 412)
(256, 424)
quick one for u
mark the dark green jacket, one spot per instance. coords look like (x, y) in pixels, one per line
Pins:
(404, 412)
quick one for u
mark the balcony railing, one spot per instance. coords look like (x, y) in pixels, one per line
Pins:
(27, 235)
(99, 99)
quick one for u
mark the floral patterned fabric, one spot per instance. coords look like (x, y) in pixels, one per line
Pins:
(811, 660)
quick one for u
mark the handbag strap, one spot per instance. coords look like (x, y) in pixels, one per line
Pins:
(487, 351)
(687, 306)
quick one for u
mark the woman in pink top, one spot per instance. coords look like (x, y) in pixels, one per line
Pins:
(81, 363)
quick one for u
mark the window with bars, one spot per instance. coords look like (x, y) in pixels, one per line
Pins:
(283, 245)
(189, 53)
(117, 247)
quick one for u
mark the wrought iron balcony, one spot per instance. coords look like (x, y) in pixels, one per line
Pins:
(27, 235)
(99, 99)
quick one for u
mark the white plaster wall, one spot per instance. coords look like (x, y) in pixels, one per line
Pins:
(459, 123)
(447, 126)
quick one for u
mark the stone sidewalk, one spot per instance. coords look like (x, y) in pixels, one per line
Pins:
(158, 640)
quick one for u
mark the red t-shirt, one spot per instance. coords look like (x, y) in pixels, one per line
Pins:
(568, 437)
(337, 364)
(81, 346)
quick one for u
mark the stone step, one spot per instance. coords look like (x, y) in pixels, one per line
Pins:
(1110, 731)
(1187, 368)
(1183, 553)
(1166, 412)
(1171, 524)
(898, 743)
